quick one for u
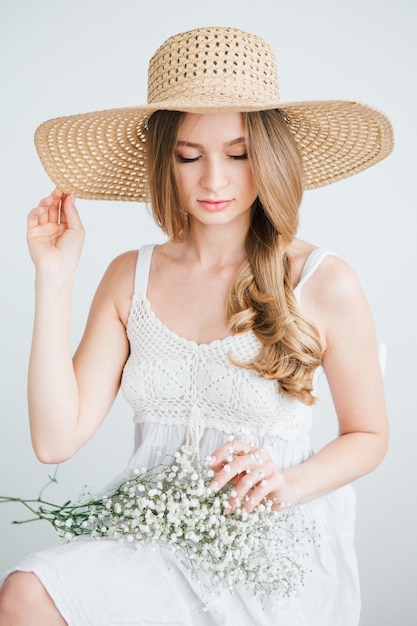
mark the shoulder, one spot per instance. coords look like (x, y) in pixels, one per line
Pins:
(334, 300)
(332, 278)
(333, 284)
(117, 284)
(123, 263)
(332, 297)
(121, 270)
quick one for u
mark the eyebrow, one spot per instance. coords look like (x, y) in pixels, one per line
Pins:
(198, 145)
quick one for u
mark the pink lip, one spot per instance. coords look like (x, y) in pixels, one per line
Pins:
(214, 205)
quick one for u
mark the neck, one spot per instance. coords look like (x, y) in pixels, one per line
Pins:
(217, 245)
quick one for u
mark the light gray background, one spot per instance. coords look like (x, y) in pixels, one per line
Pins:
(70, 56)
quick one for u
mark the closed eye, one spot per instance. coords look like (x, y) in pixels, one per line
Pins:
(239, 157)
(182, 159)
(235, 157)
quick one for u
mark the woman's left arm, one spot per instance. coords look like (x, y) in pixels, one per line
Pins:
(334, 301)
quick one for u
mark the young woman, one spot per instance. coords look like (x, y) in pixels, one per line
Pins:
(215, 336)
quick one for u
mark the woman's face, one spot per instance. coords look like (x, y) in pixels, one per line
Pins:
(214, 176)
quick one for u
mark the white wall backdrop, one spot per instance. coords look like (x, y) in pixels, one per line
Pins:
(70, 56)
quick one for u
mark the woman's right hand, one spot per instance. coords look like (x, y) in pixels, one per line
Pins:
(55, 233)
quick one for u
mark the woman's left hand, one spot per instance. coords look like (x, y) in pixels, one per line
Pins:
(253, 474)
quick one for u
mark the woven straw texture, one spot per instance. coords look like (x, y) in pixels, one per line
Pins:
(102, 155)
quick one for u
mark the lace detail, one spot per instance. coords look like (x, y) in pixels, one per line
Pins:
(171, 380)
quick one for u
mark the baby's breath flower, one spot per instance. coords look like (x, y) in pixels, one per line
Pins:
(172, 505)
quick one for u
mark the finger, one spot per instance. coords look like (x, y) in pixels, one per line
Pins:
(236, 463)
(227, 451)
(69, 213)
(35, 216)
(64, 209)
(46, 210)
(53, 198)
(253, 487)
(60, 199)
(259, 494)
(271, 490)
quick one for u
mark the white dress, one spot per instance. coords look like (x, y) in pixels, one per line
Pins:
(178, 389)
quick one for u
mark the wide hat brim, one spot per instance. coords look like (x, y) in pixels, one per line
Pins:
(102, 155)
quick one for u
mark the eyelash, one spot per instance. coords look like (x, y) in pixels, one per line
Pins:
(235, 157)
(181, 159)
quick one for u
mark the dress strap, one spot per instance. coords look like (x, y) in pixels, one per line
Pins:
(313, 261)
(143, 266)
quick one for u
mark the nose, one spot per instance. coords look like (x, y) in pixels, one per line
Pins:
(213, 176)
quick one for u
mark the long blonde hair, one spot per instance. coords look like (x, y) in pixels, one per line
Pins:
(262, 296)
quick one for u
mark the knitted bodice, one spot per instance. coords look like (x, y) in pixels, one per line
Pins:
(171, 380)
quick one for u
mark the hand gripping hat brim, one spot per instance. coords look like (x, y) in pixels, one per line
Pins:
(102, 155)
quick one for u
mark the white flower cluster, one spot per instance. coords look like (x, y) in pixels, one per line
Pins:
(172, 506)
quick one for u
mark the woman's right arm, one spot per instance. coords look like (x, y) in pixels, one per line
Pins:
(69, 397)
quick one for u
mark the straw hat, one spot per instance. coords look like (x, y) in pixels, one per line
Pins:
(102, 155)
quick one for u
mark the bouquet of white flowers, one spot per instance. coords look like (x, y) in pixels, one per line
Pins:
(171, 505)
